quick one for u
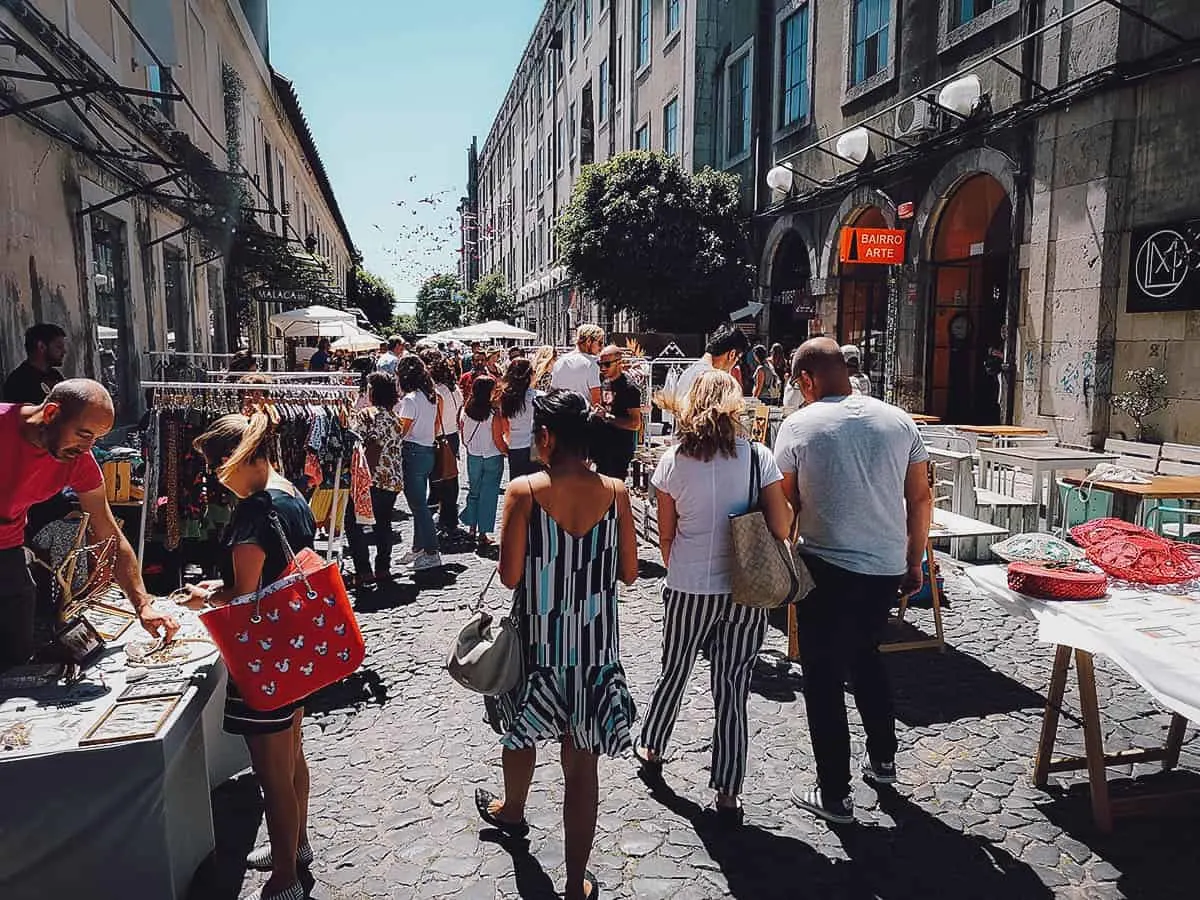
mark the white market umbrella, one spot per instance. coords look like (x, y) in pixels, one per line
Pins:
(315, 321)
(358, 342)
(494, 331)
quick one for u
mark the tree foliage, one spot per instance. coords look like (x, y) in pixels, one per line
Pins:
(437, 305)
(642, 234)
(491, 300)
(405, 325)
(373, 296)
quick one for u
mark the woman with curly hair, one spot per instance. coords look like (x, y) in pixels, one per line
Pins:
(516, 408)
(701, 481)
(419, 412)
(485, 435)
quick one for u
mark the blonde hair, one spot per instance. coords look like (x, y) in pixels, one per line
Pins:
(710, 420)
(543, 361)
(235, 440)
(587, 333)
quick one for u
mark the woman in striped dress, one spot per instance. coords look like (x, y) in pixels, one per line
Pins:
(566, 539)
(701, 482)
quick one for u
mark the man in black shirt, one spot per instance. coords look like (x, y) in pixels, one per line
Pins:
(617, 419)
(45, 350)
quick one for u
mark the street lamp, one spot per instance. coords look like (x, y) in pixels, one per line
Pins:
(962, 96)
(781, 178)
(854, 146)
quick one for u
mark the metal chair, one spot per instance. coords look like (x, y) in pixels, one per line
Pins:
(1081, 505)
(1171, 522)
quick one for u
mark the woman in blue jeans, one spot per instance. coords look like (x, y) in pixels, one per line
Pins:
(419, 413)
(485, 435)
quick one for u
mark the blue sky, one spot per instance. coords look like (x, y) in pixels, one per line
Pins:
(393, 91)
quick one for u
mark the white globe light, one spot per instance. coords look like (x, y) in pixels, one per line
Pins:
(962, 96)
(854, 146)
(780, 179)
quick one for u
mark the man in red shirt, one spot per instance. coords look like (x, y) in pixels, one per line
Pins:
(44, 449)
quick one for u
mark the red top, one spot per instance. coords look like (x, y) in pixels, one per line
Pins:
(30, 475)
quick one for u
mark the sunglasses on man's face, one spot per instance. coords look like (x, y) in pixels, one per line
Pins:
(605, 363)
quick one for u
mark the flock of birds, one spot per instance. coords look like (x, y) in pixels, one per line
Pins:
(427, 240)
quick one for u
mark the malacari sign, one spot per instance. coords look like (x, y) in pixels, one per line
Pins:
(1164, 268)
(873, 246)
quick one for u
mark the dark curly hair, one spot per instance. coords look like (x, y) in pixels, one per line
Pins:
(514, 387)
(439, 367)
(413, 376)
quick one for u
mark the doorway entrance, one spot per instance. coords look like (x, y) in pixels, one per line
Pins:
(970, 259)
(791, 299)
(862, 305)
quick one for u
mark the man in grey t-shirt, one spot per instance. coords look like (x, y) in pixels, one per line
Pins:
(856, 472)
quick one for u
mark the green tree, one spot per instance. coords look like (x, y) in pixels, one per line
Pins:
(642, 234)
(373, 296)
(405, 325)
(438, 304)
(491, 300)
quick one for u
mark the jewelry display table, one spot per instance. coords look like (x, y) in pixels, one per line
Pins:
(123, 817)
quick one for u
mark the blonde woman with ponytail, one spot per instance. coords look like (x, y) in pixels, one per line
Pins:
(238, 449)
(701, 481)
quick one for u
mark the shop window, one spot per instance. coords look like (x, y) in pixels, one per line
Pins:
(963, 11)
(641, 138)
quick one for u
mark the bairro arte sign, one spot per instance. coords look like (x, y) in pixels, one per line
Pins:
(1163, 264)
(874, 246)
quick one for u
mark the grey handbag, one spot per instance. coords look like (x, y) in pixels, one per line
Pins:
(487, 655)
(766, 574)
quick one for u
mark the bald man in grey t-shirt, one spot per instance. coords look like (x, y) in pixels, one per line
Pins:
(856, 472)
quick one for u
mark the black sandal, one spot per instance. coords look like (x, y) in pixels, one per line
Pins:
(653, 766)
(483, 802)
(595, 894)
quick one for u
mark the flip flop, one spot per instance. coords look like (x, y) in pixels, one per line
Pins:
(483, 802)
(595, 894)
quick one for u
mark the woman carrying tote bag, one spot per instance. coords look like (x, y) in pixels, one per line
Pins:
(701, 482)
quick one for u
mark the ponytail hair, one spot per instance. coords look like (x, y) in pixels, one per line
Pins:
(235, 440)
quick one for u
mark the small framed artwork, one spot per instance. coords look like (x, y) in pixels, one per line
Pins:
(150, 690)
(109, 623)
(132, 720)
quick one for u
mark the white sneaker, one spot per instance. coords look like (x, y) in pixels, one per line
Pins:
(410, 557)
(427, 561)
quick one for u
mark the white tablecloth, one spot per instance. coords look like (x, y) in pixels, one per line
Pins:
(1151, 634)
(130, 819)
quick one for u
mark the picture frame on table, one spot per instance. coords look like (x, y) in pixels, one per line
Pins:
(175, 686)
(132, 720)
(108, 621)
(81, 642)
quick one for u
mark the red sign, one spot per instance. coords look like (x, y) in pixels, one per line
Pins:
(874, 246)
(905, 210)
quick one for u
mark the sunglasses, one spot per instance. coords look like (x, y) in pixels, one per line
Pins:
(605, 363)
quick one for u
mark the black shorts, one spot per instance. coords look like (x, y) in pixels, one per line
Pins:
(241, 719)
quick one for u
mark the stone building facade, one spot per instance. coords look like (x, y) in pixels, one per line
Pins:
(107, 110)
(1027, 195)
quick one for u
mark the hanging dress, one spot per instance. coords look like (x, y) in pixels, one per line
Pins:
(567, 606)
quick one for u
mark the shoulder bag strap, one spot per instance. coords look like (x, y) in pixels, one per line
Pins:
(437, 420)
(291, 556)
(755, 479)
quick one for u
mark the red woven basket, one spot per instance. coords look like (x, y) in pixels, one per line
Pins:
(1055, 584)
(1145, 559)
(1098, 531)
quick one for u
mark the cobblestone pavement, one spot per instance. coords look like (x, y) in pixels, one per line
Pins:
(397, 754)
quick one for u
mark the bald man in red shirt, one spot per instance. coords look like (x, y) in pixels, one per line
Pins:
(44, 449)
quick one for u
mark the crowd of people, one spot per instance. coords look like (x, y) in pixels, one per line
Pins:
(566, 426)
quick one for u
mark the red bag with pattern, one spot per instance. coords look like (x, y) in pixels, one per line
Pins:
(292, 637)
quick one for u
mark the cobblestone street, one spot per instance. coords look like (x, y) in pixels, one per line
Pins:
(397, 754)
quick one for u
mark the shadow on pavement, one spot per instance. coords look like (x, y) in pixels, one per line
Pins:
(917, 858)
(237, 811)
(532, 881)
(1155, 854)
(384, 595)
(364, 686)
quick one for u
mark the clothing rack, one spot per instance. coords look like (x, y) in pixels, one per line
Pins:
(299, 391)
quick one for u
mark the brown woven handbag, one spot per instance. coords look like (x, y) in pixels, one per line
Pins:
(766, 573)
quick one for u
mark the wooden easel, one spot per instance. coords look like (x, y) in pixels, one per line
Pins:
(1095, 760)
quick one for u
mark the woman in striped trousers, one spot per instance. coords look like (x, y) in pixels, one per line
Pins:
(701, 481)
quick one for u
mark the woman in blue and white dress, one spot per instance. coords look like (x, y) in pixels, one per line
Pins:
(566, 539)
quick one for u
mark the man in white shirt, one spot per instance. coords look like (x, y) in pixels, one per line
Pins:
(723, 351)
(578, 370)
(856, 471)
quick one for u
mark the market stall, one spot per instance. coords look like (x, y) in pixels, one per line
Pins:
(107, 776)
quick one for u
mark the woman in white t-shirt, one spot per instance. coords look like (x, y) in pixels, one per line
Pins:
(418, 413)
(701, 481)
(443, 495)
(516, 406)
(485, 435)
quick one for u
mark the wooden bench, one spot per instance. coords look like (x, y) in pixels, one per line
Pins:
(1179, 459)
(1135, 455)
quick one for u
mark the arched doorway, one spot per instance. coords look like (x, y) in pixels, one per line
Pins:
(970, 258)
(791, 300)
(862, 305)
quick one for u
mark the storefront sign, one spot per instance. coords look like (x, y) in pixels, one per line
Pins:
(1162, 268)
(874, 246)
(801, 302)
